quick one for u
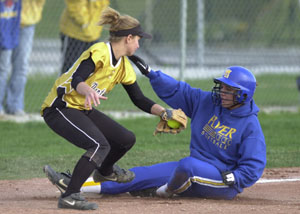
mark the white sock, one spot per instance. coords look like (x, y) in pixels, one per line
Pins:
(164, 192)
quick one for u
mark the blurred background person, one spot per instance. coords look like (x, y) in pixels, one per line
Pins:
(10, 15)
(19, 56)
(79, 28)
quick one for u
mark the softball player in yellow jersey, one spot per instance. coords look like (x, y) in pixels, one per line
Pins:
(68, 110)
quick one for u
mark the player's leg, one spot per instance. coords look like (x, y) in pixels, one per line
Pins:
(20, 67)
(145, 177)
(120, 140)
(196, 178)
(5, 66)
(78, 129)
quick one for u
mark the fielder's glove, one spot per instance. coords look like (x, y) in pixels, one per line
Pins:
(140, 64)
(171, 114)
(228, 178)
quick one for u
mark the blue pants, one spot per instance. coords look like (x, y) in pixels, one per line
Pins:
(17, 59)
(188, 177)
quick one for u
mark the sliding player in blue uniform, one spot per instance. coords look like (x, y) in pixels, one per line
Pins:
(227, 145)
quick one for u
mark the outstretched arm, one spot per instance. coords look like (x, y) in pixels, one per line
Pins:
(147, 105)
(175, 93)
(140, 64)
(157, 109)
(141, 101)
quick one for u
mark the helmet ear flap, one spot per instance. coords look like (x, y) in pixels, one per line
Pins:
(241, 96)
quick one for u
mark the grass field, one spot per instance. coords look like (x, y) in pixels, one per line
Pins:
(273, 90)
(27, 147)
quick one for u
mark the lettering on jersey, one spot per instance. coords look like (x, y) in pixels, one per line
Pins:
(101, 92)
(227, 73)
(218, 134)
(9, 9)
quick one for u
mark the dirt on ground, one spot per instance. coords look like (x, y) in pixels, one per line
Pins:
(277, 192)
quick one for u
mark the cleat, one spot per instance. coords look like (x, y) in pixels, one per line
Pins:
(60, 180)
(77, 202)
(119, 175)
(150, 192)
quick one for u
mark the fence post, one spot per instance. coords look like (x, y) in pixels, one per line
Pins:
(183, 38)
(200, 33)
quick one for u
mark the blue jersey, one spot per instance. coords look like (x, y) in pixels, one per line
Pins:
(10, 15)
(221, 140)
(228, 139)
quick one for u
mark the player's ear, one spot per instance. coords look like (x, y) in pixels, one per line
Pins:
(129, 38)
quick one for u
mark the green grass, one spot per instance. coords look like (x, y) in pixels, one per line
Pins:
(277, 89)
(26, 148)
(273, 89)
(281, 131)
(37, 88)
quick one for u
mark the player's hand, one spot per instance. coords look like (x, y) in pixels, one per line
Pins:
(228, 178)
(140, 64)
(175, 115)
(92, 97)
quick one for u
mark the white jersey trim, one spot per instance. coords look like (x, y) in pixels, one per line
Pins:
(110, 57)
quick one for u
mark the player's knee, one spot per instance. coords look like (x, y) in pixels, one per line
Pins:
(98, 153)
(128, 141)
(184, 166)
(131, 140)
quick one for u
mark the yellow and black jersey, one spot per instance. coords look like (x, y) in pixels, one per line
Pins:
(102, 80)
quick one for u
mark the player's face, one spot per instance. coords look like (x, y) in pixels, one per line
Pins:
(132, 44)
(227, 96)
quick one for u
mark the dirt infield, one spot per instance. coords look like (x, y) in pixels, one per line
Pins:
(267, 196)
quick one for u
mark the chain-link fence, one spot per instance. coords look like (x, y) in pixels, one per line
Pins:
(193, 40)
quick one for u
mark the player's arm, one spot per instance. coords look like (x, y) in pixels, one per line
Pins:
(91, 96)
(173, 92)
(140, 64)
(141, 101)
(83, 71)
(252, 162)
(149, 106)
(78, 11)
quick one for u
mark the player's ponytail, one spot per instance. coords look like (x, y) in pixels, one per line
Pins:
(109, 16)
(117, 22)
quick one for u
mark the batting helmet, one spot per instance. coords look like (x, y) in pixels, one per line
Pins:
(239, 78)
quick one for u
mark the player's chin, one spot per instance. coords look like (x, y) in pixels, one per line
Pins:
(130, 53)
(226, 104)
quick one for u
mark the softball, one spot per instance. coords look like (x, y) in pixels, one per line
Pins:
(173, 124)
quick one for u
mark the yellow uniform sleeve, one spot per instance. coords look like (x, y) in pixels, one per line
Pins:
(130, 76)
(78, 11)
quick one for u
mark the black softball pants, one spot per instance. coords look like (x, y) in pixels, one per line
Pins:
(104, 140)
